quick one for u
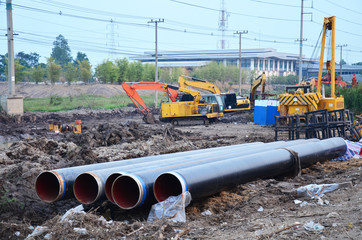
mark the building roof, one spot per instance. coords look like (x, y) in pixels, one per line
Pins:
(213, 55)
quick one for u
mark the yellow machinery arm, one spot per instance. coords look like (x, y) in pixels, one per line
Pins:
(198, 83)
(230, 102)
(329, 24)
(259, 81)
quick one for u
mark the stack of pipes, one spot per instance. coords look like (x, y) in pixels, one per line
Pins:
(132, 183)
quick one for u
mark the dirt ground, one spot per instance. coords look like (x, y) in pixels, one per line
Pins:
(263, 209)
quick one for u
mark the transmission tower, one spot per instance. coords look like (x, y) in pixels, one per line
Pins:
(112, 35)
(223, 26)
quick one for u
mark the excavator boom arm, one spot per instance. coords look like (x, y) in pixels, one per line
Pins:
(131, 90)
(198, 83)
(259, 81)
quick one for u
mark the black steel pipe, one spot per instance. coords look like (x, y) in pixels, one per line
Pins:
(133, 189)
(57, 184)
(207, 179)
(91, 186)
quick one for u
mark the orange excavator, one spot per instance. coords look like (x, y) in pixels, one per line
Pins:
(131, 90)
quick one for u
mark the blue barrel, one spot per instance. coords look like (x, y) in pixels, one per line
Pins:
(271, 112)
(260, 112)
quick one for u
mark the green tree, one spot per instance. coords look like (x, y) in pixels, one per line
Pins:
(70, 73)
(19, 71)
(28, 60)
(61, 51)
(38, 73)
(107, 72)
(54, 71)
(122, 65)
(134, 72)
(352, 98)
(170, 75)
(3, 67)
(148, 72)
(84, 70)
(289, 80)
(214, 71)
(358, 63)
(80, 57)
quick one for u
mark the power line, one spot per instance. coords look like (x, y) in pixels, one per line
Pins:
(346, 20)
(88, 10)
(348, 9)
(236, 13)
(339, 30)
(276, 4)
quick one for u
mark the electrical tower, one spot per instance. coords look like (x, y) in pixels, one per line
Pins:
(223, 26)
(112, 36)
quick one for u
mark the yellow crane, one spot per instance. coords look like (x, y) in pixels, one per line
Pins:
(300, 99)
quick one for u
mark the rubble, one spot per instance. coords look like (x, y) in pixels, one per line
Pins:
(28, 148)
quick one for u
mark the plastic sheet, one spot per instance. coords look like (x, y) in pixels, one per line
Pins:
(316, 190)
(354, 150)
(173, 208)
(313, 227)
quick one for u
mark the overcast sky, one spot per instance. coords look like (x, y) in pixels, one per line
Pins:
(188, 25)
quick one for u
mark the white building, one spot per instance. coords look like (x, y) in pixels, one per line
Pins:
(266, 60)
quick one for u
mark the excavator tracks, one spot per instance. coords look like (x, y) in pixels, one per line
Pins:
(178, 122)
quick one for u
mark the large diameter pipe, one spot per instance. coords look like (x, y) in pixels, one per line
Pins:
(57, 184)
(134, 189)
(207, 179)
(92, 186)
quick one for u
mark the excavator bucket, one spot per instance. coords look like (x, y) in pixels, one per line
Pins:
(149, 118)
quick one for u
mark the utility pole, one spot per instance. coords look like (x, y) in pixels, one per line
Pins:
(239, 33)
(11, 104)
(301, 39)
(156, 53)
(301, 43)
(340, 61)
(11, 66)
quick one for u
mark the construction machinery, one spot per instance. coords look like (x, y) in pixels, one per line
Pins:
(202, 109)
(185, 105)
(131, 90)
(58, 127)
(230, 101)
(259, 81)
(300, 99)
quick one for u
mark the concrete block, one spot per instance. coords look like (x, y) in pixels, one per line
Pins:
(12, 105)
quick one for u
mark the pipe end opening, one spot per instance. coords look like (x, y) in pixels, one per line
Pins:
(86, 188)
(49, 186)
(108, 186)
(168, 184)
(127, 192)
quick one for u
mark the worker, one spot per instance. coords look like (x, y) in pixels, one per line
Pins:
(354, 80)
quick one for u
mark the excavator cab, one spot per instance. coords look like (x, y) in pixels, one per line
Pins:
(213, 98)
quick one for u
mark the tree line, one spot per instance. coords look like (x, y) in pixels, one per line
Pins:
(60, 66)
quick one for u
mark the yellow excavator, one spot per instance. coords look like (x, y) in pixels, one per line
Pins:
(202, 109)
(300, 99)
(186, 105)
(232, 103)
(259, 81)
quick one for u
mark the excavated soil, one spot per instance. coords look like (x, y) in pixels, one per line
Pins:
(262, 209)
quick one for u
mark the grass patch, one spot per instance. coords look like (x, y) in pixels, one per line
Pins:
(56, 103)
